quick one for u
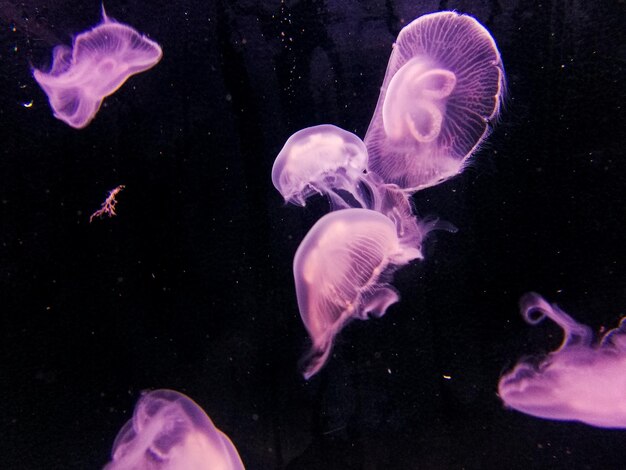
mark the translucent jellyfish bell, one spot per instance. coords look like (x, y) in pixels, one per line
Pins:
(170, 431)
(443, 85)
(581, 381)
(99, 62)
(322, 159)
(341, 271)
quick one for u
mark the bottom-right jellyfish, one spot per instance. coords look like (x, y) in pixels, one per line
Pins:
(583, 380)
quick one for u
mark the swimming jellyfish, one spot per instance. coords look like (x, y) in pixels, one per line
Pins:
(583, 380)
(98, 63)
(323, 159)
(443, 85)
(341, 271)
(170, 431)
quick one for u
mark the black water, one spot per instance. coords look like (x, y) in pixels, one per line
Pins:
(190, 286)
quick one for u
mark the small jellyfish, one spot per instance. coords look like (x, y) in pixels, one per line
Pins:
(98, 63)
(583, 380)
(443, 85)
(323, 159)
(341, 270)
(170, 431)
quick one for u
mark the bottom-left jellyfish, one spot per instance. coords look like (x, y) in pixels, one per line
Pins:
(170, 431)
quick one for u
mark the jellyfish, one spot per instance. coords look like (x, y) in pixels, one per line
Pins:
(170, 431)
(342, 271)
(326, 160)
(443, 85)
(583, 380)
(98, 63)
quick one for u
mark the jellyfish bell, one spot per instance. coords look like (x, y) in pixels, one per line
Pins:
(443, 85)
(170, 431)
(98, 63)
(583, 380)
(341, 270)
(322, 159)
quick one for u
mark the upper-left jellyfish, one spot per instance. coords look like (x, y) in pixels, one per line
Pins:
(98, 63)
(583, 380)
(169, 431)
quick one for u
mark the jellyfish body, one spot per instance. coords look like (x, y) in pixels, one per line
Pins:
(341, 271)
(583, 380)
(443, 85)
(326, 160)
(170, 431)
(98, 63)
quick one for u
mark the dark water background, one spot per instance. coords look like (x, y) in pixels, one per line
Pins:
(190, 286)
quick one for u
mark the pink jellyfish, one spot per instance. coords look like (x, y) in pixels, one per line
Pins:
(341, 271)
(326, 160)
(169, 431)
(582, 381)
(444, 83)
(98, 63)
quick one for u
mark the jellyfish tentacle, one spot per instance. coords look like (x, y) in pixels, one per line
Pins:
(616, 338)
(574, 334)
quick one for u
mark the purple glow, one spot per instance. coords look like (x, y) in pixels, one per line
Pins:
(99, 62)
(582, 381)
(170, 431)
(443, 85)
(341, 271)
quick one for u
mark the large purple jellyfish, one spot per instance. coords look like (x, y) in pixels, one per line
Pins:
(582, 381)
(169, 431)
(98, 63)
(341, 271)
(444, 83)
